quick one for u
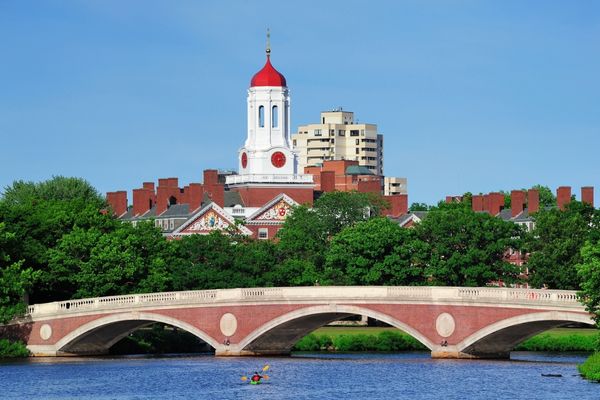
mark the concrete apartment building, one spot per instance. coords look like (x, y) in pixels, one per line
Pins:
(338, 136)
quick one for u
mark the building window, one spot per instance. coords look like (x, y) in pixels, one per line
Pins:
(261, 116)
(357, 150)
(294, 143)
(263, 233)
(354, 132)
(317, 132)
(357, 142)
(274, 117)
(341, 133)
(171, 224)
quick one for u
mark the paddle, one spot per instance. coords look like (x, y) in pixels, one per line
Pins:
(264, 369)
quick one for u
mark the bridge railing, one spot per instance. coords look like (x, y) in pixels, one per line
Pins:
(319, 294)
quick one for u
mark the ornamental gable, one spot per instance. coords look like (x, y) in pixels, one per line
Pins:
(210, 218)
(276, 211)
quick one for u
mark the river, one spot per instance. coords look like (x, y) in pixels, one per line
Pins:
(307, 376)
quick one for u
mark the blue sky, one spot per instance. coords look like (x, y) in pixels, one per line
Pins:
(470, 95)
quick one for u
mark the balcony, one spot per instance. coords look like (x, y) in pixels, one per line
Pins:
(266, 178)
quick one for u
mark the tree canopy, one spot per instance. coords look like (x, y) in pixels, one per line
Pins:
(555, 244)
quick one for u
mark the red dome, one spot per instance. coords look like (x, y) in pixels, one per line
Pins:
(268, 76)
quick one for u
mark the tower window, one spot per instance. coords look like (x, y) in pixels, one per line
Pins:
(261, 116)
(274, 117)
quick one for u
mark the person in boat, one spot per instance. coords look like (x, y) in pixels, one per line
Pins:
(256, 377)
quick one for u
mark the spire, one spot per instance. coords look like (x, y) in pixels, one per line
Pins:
(268, 42)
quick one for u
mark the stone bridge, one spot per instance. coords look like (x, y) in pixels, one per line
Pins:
(453, 322)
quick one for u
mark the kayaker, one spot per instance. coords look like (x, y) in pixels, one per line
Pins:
(256, 377)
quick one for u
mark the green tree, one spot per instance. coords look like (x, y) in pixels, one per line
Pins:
(418, 207)
(338, 210)
(374, 252)
(555, 244)
(127, 259)
(39, 214)
(589, 273)
(15, 280)
(464, 248)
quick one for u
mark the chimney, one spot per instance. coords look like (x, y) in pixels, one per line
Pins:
(327, 181)
(533, 201)
(496, 203)
(477, 202)
(211, 177)
(118, 202)
(517, 201)
(398, 205)
(563, 196)
(195, 193)
(216, 192)
(587, 195)
(142, 201)
(148, 185)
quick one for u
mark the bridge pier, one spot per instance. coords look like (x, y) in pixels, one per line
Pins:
(451, 352)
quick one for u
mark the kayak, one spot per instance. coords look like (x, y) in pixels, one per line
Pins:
(255, 382)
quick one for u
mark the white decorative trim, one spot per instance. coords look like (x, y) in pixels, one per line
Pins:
(217, 209)
(252, 219)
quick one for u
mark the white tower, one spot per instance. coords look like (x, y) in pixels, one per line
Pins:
(267, 150)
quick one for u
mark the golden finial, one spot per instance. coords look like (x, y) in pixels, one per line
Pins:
(268, 42)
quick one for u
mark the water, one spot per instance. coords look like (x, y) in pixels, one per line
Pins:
(310, 376)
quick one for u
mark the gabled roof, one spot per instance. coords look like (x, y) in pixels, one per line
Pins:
(411, 216)
(275, 211)
(209, 218)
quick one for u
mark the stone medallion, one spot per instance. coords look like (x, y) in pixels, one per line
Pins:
(444, 325)
(228, 324)
(45, 332)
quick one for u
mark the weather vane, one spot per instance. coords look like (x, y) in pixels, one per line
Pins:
(268, 42)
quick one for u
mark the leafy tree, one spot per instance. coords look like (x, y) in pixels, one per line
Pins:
(127, 259)
(39, 214)
(464, 248)
(338, 210)
(555, 244)
(15, 280)
(589, 273)
(418, 207)
(374, 252)
(220, 261)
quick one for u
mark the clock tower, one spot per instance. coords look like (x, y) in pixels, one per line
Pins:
(267, 157)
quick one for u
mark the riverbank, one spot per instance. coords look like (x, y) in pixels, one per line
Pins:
(390, 339)
(590, 369)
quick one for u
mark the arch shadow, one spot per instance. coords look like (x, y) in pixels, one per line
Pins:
(98, 336)
(279, 335)
(498, 339)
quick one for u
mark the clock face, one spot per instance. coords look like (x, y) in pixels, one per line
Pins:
(244, 160)
(278, 159)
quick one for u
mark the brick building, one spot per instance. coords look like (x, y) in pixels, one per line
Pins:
(256, 200)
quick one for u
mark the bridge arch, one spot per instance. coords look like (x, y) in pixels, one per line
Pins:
(498, 339)
(279, 335)
(98, 336)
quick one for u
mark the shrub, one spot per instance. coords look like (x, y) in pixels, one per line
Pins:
(590, 369)
(10, 349)
(552, 342)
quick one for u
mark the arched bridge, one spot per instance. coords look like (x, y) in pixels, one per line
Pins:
(453, 322)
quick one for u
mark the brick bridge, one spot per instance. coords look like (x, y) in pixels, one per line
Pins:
(453, 322)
